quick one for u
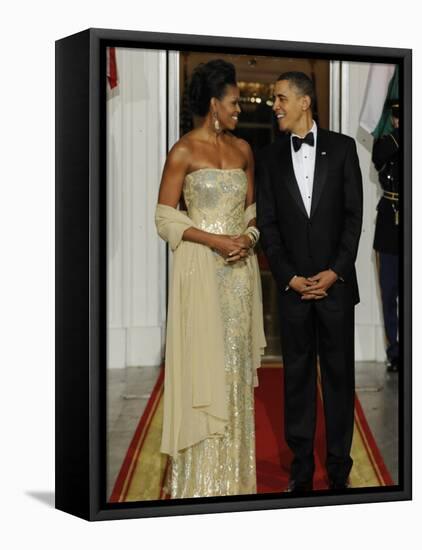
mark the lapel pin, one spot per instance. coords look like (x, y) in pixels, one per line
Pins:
(323, 153)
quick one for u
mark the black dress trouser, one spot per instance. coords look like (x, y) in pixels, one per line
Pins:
(389, 282)
(323, 328)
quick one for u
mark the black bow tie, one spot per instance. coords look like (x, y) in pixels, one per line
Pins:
(297, 141)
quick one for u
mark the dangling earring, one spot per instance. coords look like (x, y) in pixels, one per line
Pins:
(217, 126)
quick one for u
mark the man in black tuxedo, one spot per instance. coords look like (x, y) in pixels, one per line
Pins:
(309, 212)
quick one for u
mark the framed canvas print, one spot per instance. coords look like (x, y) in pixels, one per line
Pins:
(233, 276)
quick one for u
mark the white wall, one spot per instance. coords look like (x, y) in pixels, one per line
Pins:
(136, 149)
(370, 343)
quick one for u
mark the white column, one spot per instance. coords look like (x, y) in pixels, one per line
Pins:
(136, 262)
(370, 344)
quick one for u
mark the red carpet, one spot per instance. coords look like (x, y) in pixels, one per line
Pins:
(274, 457)
(143, 469)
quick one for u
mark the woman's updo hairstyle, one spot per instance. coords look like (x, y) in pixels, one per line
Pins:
(210, 80)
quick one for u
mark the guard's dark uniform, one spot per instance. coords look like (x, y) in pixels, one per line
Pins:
(385, 156)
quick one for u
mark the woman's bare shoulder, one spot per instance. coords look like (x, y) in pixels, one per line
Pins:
(185, 147)
(243, 145)
(181, 152)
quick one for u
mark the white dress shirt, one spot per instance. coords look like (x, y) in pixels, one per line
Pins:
(304, 167)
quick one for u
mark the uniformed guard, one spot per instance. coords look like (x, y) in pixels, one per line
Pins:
(385, 156)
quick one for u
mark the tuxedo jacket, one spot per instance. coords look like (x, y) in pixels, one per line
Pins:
(298, 244)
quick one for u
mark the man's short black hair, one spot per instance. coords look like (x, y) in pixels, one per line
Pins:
(301, 82)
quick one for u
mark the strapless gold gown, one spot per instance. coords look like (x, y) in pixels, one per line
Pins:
(222, 466)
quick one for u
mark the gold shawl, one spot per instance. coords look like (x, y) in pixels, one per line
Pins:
(194, 385)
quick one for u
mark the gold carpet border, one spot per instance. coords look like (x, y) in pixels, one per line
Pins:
(138, 456)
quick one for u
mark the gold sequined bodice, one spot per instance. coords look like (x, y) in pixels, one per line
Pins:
(215, 199)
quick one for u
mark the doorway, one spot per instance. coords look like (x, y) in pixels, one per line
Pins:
(257, 125)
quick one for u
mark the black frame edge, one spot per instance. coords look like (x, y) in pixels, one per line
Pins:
(312, 49)
(405, 437)
(72, 470)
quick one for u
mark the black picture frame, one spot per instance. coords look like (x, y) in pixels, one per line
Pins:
(81, 274)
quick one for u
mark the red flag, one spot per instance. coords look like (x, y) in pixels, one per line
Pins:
(112, 68)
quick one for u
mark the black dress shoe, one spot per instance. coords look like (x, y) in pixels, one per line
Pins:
(393, 365)
(299, 486)
(337, 485)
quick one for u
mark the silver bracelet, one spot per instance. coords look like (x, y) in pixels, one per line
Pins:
(253, 234)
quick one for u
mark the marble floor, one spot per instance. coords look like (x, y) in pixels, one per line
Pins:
(129, 390)
(378, 394)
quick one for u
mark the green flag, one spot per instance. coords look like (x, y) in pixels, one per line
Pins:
(384, 125)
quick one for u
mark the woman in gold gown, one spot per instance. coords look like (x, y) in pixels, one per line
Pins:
(215, 332)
